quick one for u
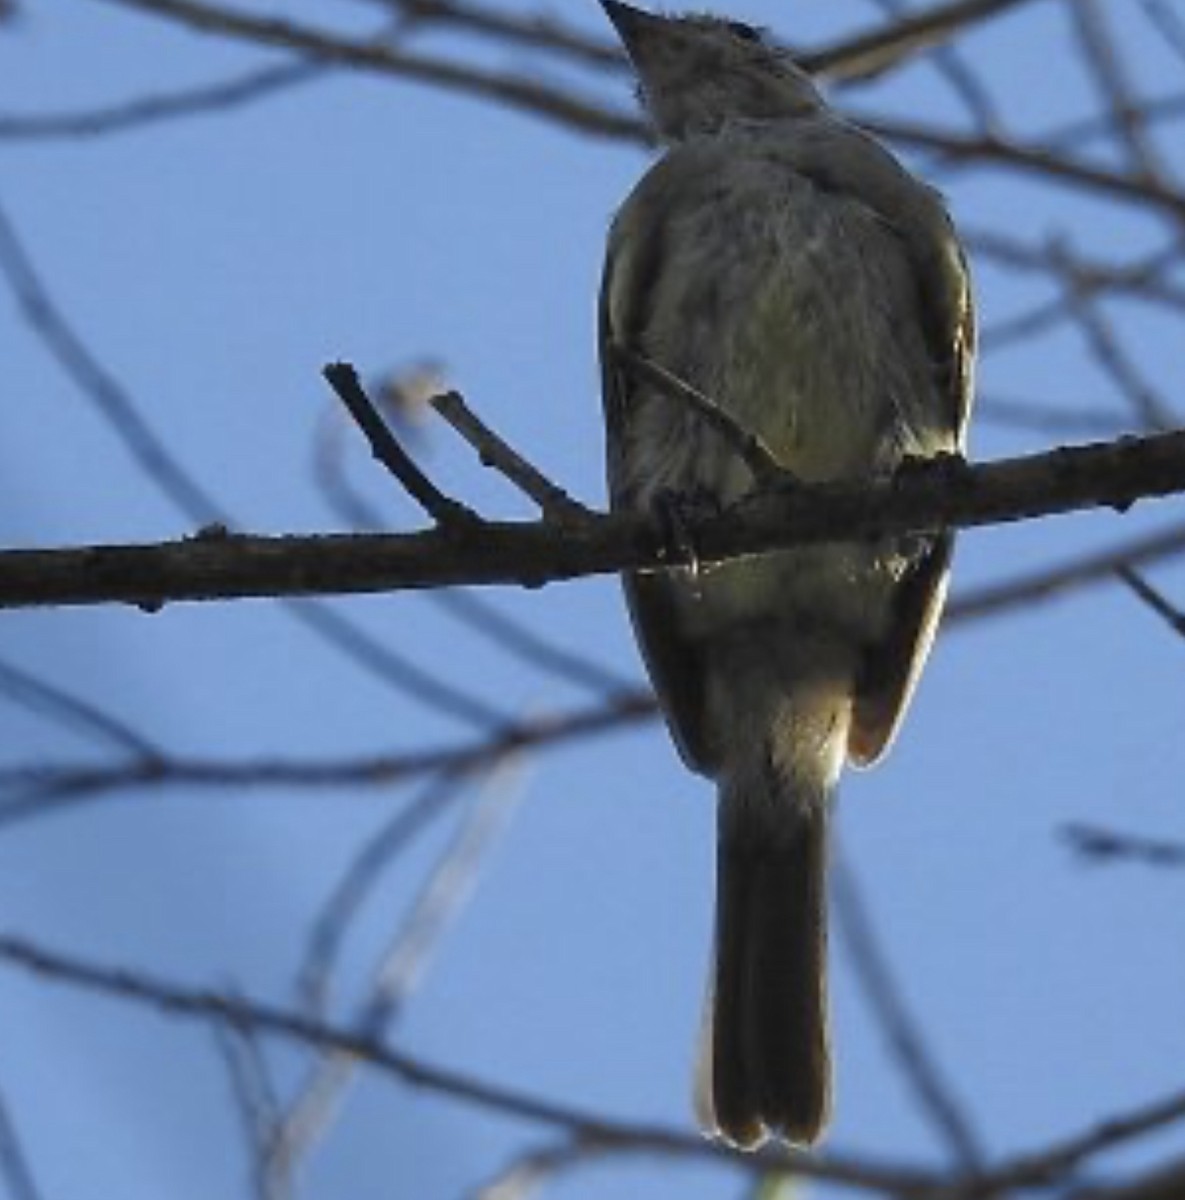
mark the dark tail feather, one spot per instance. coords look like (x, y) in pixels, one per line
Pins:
(770, 1063)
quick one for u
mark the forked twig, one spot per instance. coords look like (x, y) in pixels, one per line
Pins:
(447, 513)
(553, 501)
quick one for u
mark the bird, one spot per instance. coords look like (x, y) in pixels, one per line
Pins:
(784, 264)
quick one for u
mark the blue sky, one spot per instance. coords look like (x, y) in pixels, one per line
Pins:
(213, 265)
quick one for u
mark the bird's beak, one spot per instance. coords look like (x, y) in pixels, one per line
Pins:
(631, 23)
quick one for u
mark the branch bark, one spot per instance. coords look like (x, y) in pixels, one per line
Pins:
(922, 498)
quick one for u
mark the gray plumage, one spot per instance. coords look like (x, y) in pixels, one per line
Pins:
(783, 262)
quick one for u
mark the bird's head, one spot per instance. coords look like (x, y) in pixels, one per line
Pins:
(695, 73)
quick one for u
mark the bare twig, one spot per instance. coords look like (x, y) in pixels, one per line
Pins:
(517, 91)
(226, 96)
(1096, 845)
(117, 406)
(1031, 1170)
(1102, 55)
(379, 850)
(1146, 277)
(869, 54)
(1165, 1182)
(746, 443)
(49, 790)
(1172, 615)
(440, 901)
(1027, 590)
(444, 896)
(1152, 410)
(195, 1004)
(52, 789)
(535, 31)
(15, 1168)
(68, 709)
(507, 635)
(560, 105)
(951, 65)
(446, 512)
(905, 1036)
(1169, 22)
(964, 151)
(515, 638)
(1048, 418)
(553, 501)
(1054, 1163)
(378, 658)
(528, 1172)
(254, 1099)
(149, 450)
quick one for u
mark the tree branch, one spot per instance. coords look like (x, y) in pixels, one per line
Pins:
(330, 47)
(923, 498)
(243, 1013)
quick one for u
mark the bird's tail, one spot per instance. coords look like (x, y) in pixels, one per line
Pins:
(765, 1069)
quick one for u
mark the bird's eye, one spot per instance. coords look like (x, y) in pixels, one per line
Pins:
(745, 32)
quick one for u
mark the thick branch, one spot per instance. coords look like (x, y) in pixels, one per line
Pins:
(922, 498)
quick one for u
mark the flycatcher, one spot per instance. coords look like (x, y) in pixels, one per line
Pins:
(784, 263)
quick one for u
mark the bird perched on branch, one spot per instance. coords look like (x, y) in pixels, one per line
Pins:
(784, 264)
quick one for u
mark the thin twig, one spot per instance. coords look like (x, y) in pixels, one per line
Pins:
(1047, 418)
(70, 710)
(391, 839)
(527, 647)
(531, 1170)
(1102, 55)
(1164, 1181)
(560, 105)
(442, 898)
(1152, 410)
(125, 416)
(767, 471)
(426, 686)
(449, 514)
(1146, 277)
(173, 1000)
(1076, 133)
(226, 96)
(254, 1100)
(1053, 1165)
(953, 68)
(905, 1035)
(506, 634)
(866, 55)
(52, 790)
(15, 1168)
(1097, 845)
(118, 407)
(535, 31)
(1025, 591)
(962, 150)
(1169, 23)
(518, 91)
(1172, 615)
(554, 503)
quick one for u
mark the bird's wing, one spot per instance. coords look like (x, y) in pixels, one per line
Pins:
(891, 667)
(673, 661)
